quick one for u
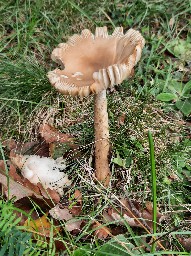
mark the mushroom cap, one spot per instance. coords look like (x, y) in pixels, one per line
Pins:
(91, 63)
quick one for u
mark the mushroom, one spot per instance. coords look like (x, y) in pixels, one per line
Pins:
(91, 64)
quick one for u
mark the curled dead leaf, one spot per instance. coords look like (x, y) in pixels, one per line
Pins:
(132, 213)
(101, 231)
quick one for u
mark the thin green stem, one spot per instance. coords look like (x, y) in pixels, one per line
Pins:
(154, 194)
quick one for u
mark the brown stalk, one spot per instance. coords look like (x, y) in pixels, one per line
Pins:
(102, 146)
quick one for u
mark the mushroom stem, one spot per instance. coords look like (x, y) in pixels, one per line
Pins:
(102, 146)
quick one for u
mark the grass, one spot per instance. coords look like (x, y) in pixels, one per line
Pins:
(154, 186)
(29, 32)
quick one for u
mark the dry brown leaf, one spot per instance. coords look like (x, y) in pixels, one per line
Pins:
(60, 246)
(14, 189)
(27, 209)
(60, 213)
(171, 22)
(122, 216)
(14, 184)
(24, 148)
(50, 134)
(67, 210)
(9, 144)
(41, 225)
(14, 175)
(40, 148)
(186, 243)
(17, 160)
(73, 225)
(49, 193)
(101, 231)
(57, 141)
(117, 230)
(132, 213)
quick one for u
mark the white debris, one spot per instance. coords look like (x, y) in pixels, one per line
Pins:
(47, 171)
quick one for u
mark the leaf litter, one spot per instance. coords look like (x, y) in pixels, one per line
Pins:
(67, 207)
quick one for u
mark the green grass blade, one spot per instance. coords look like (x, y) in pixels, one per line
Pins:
(154, 194)
(82, 12)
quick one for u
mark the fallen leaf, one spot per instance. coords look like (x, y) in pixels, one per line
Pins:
(73, 225)
(118, 230)
(12, 188)
(42, 225)
(60, 246)
(121, 216)
(132, 213)
(59, 143)
(49, 193)
(9, 144)
(107, 216)
(101, 231)
(186, 243)
(25, 210)
(13, 174)
(50, 134)
(41, 149)
(24, 148)
(60, 213)
(38, 188)
(171, 22)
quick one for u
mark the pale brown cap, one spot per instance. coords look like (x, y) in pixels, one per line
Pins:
(92, 63)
